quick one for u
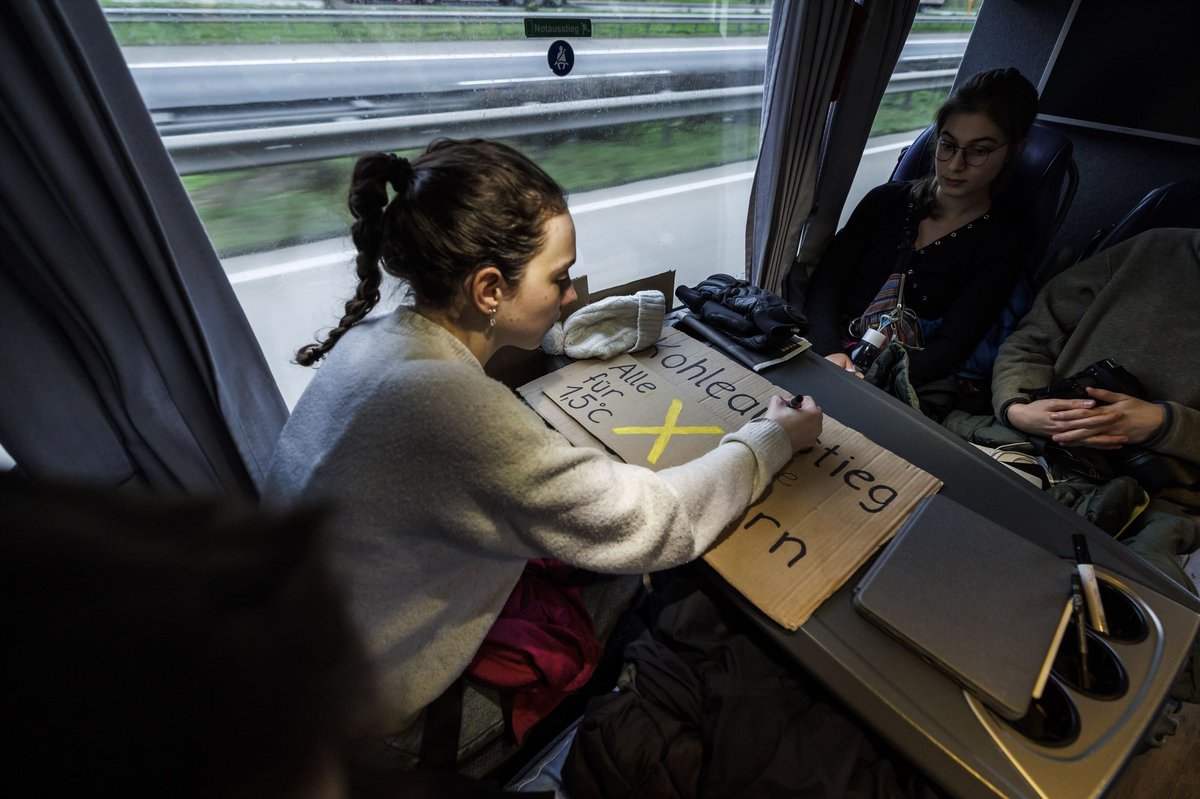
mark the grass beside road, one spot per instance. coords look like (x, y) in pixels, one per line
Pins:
(901, 111)
(150, 33)
(141, 34)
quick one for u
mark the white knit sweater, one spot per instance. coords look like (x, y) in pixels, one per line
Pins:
(445, 483)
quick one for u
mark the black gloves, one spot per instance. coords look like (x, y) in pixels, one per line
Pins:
(753, 317)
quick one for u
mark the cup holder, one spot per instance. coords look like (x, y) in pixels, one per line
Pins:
(1126, 619)
(1052, 720)
(1105, 676)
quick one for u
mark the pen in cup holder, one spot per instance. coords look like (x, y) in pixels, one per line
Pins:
(1085, 679)
(1091, 589)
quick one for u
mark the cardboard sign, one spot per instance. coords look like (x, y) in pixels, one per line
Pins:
(825, 513)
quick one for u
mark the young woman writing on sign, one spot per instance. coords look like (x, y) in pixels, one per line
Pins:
(447, 483)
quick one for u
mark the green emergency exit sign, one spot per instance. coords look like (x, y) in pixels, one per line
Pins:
(557, 28)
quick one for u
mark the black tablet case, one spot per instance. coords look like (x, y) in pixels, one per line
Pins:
(975, 599)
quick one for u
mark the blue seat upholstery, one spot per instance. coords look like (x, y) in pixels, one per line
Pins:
(1039, 191)
(1175, 204)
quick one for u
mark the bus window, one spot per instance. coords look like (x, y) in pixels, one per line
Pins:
(649, 119)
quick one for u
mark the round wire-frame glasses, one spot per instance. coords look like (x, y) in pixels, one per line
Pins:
(975, 154)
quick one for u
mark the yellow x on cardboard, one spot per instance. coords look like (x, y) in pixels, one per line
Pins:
(620, 401)
(667, 429)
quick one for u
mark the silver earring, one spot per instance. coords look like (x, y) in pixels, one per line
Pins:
(492, 318)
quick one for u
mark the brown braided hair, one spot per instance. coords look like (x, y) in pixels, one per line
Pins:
(460, 205)
(1008, 99)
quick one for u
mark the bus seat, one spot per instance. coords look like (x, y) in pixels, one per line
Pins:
(1175, 204)
(1039, 193)
(1040, 189)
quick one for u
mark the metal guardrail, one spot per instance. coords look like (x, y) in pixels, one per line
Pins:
(949, 16)
(917, 80)
(210, 152)
(283, 144)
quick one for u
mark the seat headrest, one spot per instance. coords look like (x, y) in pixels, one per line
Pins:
(1175, 204)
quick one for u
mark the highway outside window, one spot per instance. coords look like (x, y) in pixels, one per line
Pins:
(264, 105)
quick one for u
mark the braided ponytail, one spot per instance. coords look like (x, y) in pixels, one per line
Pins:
(457, 206)
(368, 203)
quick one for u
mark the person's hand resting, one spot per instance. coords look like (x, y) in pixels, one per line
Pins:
(802, 423)
(843, 360)
(1086, 423)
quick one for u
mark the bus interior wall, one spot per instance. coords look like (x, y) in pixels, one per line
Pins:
(1116, 170)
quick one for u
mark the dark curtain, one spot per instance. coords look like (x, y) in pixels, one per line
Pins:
(803, 51)
(880, 33)
(126, 358)
(824, 80)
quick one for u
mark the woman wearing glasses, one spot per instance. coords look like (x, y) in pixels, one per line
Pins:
(959, 257)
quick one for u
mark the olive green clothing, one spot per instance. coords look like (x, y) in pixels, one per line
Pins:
(1136, 303)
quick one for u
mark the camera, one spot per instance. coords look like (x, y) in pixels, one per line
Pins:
(1106, 374)
(1154, 471)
